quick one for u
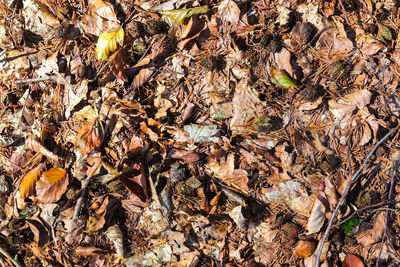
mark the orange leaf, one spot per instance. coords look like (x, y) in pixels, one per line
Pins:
(304, 249)
(52, 185)
(90, 136)
(352, 260)
(27, 185)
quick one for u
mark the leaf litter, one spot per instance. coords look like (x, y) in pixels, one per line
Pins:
(176, 133)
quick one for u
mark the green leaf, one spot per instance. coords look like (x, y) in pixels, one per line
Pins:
(281, 78)
(108, 42)
(179, 15)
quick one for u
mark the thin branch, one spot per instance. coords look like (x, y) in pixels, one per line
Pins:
(346, 192)
(390, 196)
(8, 256)
(34, 80)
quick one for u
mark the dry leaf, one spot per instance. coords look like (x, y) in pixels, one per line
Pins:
(141, 78)
(369, 236)
(40, 229)
(89, 251)
(304, 248)
(109, 41)
(352, 260)
(317, 218)
(90, 136)
(28, 182)
(117, 65)
(228, 11)
(33, 144)
(52, 185)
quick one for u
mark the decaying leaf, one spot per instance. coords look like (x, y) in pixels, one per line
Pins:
(317, 218)
(229, 11)
(40, 230)
(109, 41)
(89, 251)
(179, 15)
(141, 78)
(114, 234)
(52, 185)
(28, 182)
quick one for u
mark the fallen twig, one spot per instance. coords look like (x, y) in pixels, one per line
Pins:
(8, 256)
(34, 80)
(390, 196)
(346, 192)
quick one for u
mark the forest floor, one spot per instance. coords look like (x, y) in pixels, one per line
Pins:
(199, 133)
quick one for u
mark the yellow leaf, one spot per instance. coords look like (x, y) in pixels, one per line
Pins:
(108, 42)
(179, 15)
(52, 185)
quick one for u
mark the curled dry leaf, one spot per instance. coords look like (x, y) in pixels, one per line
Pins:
(108, 42)
(228, 11)
(40, 229)
(34, 145)
(52, 185)
(114, 234)
(27, 185)
(317, 218)
(89, 251)
(304, 248)
(90, 136)
(352, 260)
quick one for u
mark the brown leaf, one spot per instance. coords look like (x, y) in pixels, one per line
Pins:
(368, 236)
(90, 136)
(89, 251)
(304, 248)
(141, 78)
(136, 182)
(28, 182)
(41, 233)
(33, 144)
(228, 11)
(352, 260)
(117, 65)
(52, 185)
(225, 172)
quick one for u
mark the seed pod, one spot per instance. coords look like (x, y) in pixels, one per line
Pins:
(384, 33)
(339, 69)
(114, 234)
(302, 33)
(82, 71)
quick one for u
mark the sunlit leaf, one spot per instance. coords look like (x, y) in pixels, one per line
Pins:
(27, 185)
(316, 219)
(304, 249)
(281, 78)
(52, 185)
(117, 65)
(90, 136)
(108, 42)
(179, 15)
